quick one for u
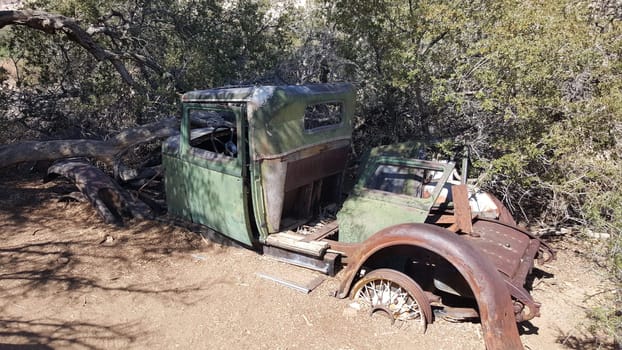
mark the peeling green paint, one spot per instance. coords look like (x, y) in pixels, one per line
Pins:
(367, 211)
(216, 191)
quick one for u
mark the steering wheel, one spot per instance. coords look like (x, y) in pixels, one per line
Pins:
(229, 146)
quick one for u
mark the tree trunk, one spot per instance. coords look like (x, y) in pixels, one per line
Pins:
(97, 149)
(110, 201)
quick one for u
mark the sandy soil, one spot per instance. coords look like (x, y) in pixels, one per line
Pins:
(70, 282)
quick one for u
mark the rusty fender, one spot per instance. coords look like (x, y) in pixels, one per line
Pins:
(493, 298)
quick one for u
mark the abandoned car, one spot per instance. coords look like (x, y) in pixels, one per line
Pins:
(266, 169)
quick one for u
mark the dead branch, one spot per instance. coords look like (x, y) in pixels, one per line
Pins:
(105, 151)
(110, 200)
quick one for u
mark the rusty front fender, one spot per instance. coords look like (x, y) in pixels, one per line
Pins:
(493, 298)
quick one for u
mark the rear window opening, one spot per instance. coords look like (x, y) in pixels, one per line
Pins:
(322, 115)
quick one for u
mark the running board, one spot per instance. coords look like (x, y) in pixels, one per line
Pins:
(324, 265)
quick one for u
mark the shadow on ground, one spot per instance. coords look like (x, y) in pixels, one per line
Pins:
(585, 341)
(62, 252)
(58, 334)
(71, 265)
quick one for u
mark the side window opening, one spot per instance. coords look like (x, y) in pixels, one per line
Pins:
(211, 117)
(216, 130)
(322, 115)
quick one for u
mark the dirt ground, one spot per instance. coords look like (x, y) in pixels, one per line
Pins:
(69, 282)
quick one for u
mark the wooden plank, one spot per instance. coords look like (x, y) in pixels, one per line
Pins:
(322, 232)
(291, 234)
(286, 241)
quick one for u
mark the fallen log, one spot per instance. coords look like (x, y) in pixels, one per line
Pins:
(111, 202)
(73, 196)
(104, 150)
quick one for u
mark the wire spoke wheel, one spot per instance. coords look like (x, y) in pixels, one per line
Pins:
(395, 294)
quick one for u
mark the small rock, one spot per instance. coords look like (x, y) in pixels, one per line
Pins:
(597, 235)
(349, 312)
(107, 240)
(355, 305)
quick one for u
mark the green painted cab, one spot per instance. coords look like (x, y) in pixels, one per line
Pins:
(253, 161)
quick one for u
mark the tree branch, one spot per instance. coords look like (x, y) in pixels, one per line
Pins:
(433, 42)
(101, 150)
(52, 23)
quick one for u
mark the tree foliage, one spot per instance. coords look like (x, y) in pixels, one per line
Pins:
(168, 46)
(532, 87)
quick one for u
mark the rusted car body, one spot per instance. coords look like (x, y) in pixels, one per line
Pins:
(266, 165)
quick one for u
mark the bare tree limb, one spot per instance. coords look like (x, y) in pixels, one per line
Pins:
(98, 149)
(433, 42)
(52, 23)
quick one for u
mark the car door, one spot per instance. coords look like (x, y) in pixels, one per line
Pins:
(213, 175)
